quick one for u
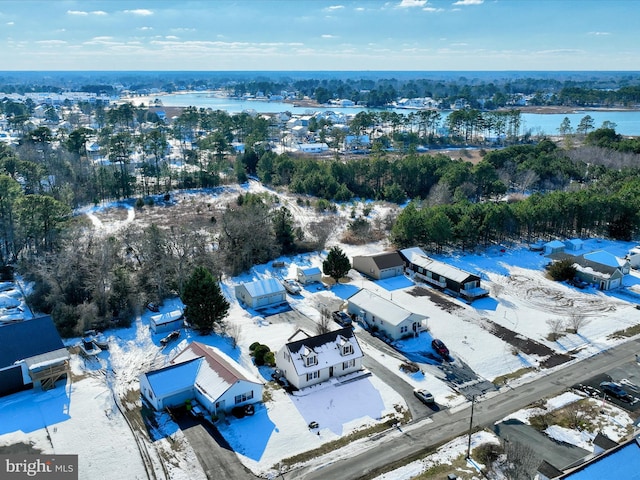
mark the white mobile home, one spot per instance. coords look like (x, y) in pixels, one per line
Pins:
(384, 315)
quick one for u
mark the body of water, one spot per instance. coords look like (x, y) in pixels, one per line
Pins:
(627, 122)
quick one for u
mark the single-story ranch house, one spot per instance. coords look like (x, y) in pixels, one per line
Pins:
(309, 275)
(382, 314)
(601, 269)
(31, 354)
(261, 293)
(440, 275)
(203, 373)
(312, 360)
(380, 265)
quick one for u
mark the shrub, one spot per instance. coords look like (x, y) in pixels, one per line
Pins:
(562, 270)
(253, 346)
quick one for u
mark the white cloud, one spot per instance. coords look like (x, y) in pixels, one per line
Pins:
(432, 9)
(335, 7)
(468, 2)
(143, 12)
(412, 3)
(145, 28)
(600, 34)
(10, 24)
(327, 35)
(52, 43)
(172, 37)
(99, 12)
(77, 12)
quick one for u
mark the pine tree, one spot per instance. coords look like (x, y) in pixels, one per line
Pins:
(337, 264)
(204, 302)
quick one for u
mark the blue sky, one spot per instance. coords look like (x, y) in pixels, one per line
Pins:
(320, 35)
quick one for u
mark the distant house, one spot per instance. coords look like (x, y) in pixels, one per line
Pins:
(31, 355)
(357, 142)
(166, 322)
(633, 256)
(261, 293)
(602, 269)
(313, 147)
(308, 275)
(380, 265)
(312, 360)
(389, 318)
(203, 373)
(446, 277)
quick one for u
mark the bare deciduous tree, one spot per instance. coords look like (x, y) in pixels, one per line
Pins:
(577, 320)
(325, 321)
(556, 326)
(234, 332)
(521, 461)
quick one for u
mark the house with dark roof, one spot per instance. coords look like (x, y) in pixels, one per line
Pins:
(452, 280)
(203, 373)
(380, 265)
(311, 360)
(31, 355)
(261, 293)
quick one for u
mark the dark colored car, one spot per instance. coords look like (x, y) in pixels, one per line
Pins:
(172, 336)
(615, 390)
(341, 319)
(424, 396)
(440, 348)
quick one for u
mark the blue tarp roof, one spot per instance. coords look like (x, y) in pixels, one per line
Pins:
(27, 339)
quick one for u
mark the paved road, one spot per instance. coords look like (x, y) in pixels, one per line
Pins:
(446, 425)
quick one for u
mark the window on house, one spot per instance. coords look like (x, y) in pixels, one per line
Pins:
(348, 364)
(347, 349)
(311, 360)
(244, 397)
(313, 375)
(404, 329)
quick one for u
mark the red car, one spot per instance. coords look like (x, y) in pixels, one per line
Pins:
(440, 348)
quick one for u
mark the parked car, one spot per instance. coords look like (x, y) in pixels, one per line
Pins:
(172, 336)
(341, 318)
(440, 348)
(615, 390)
(291, 286)
(424, 396)
(152, 307)
(278, 376)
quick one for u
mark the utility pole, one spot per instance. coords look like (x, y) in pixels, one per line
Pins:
(473, 401)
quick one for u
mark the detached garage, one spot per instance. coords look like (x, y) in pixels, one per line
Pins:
(261, 293)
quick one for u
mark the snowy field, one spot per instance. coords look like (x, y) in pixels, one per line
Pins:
(86, 418)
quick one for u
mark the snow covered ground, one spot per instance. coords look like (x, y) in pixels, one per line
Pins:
(85, 417)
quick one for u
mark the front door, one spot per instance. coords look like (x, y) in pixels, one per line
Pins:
(330, 372)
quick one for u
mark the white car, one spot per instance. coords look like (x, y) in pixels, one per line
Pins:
(291, 286)
(424, 396)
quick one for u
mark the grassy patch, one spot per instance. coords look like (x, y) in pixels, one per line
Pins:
(580, 415)
(626, 333)
(503, 379)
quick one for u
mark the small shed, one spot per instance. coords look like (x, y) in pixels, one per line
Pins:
(309, 275)
(166, 322)
(573, 244)
(261, 293)
(554, 246)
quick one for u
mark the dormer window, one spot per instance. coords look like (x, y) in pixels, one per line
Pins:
(345, 346)
(309, 356)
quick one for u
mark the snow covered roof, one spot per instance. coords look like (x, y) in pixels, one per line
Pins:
(309, 271)
(48, 359)
(218, 372)
(27, 339)
(167, 317)
(435, 266)
(328, 348)
(604, 258)
(383, 308)
(266, 286)
(621, 462)
(555, 244)
(174, 378)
